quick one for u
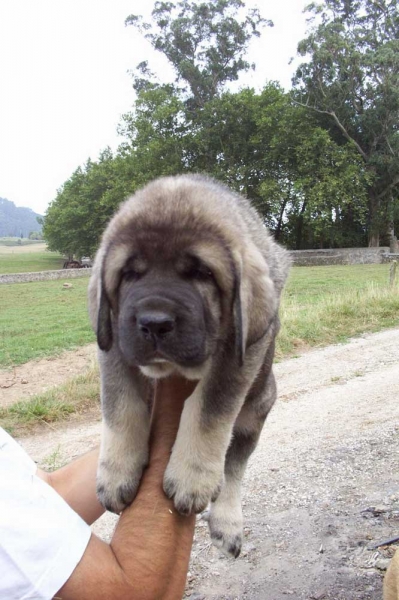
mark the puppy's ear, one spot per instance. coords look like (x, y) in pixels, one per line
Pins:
(259, 299)
(238, 321)
(104, 325)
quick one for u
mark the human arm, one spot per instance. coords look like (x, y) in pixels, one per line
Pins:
(148, 556)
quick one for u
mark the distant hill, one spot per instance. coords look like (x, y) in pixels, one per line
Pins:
(15, 221)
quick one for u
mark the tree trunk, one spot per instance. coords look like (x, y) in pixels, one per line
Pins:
(280, 220)
(374, 239)
(393, 240)
(374, 221)
(299, 227)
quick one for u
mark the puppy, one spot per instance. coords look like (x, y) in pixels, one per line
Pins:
(187, 280)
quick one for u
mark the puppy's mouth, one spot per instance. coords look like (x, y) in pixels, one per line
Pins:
(158, 358)
(157, 369)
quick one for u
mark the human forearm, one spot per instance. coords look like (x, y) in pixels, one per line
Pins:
(149, 553)
(76, 483)
(162, 537)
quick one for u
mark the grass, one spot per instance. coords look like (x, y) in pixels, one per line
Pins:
(75, 397)
(329, 304)
(308, 285)
(53, 461)
(42, 318)
(28, 262)
(336, 317)
(321, 306)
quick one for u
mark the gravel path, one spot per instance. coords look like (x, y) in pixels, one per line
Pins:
(321, 488)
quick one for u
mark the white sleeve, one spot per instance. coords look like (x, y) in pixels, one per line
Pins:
(41, 538)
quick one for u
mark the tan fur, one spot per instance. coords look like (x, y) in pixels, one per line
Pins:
(197, 461)
(163, 227)
(391, 581)
(162, 201)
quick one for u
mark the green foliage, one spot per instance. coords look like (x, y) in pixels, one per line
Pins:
(203, 41)
(325, 177)
(35, 235)
(302, 182)
(77, 217)
(306, 185)
(156, 134)
(351, 78)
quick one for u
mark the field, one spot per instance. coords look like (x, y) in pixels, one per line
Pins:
(326, 305)
(309, 284)
(29, 257)
(321, 305)
(41, 319)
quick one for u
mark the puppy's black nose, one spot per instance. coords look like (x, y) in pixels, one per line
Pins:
(155, 324)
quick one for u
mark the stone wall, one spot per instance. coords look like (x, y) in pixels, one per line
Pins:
(44, 275)
(301, 258)
(339, 256)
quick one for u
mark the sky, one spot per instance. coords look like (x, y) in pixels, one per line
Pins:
(64, 82)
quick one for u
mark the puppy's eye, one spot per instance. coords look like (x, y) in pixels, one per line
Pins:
(134, 268)
(130, 274)
(201, 272)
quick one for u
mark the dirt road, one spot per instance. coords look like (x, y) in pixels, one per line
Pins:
(321, 488)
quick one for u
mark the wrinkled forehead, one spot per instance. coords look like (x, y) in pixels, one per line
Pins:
(167, 245)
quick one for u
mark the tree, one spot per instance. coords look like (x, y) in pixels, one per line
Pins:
(77, 217)
(277, 153)
(307, 179)
(156, 134)
(203, 41)
(35, 235)
(351, 79)
(304, 184)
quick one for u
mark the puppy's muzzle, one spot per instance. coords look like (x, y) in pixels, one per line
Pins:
(162, 321)
(155, 325)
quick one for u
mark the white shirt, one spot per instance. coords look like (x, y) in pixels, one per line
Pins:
(41, 538)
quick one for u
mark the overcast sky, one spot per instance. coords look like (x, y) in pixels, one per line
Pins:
(64, 82)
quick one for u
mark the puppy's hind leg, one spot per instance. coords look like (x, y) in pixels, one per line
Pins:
(225, 518)
(126, 424)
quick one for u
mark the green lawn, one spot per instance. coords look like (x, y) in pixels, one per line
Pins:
(321, 305)
(28, 262)
(41, 319)
(330, 304)
(308, 284)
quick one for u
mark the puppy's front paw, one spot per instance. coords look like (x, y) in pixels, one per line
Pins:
(226, 532)
(191, 485)
(117, 486)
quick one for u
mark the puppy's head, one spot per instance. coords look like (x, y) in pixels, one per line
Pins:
(172, 289)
